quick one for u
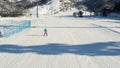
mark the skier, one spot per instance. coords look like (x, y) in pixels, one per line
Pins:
(45, 32)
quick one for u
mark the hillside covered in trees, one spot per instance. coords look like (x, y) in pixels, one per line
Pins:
(19, 7)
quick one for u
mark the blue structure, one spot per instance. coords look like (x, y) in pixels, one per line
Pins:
(13, 29)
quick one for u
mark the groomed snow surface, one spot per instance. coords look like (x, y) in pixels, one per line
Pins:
(72, 42)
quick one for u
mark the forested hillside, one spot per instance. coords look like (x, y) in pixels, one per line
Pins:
(19, 7)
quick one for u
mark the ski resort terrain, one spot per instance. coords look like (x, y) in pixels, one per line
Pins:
(72, 42)
(87, 42)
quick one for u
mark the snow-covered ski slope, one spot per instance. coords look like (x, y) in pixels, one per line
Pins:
(72, 42)
(50, 8)
(88, 42)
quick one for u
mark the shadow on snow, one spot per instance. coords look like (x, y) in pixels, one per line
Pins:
(94, 49)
